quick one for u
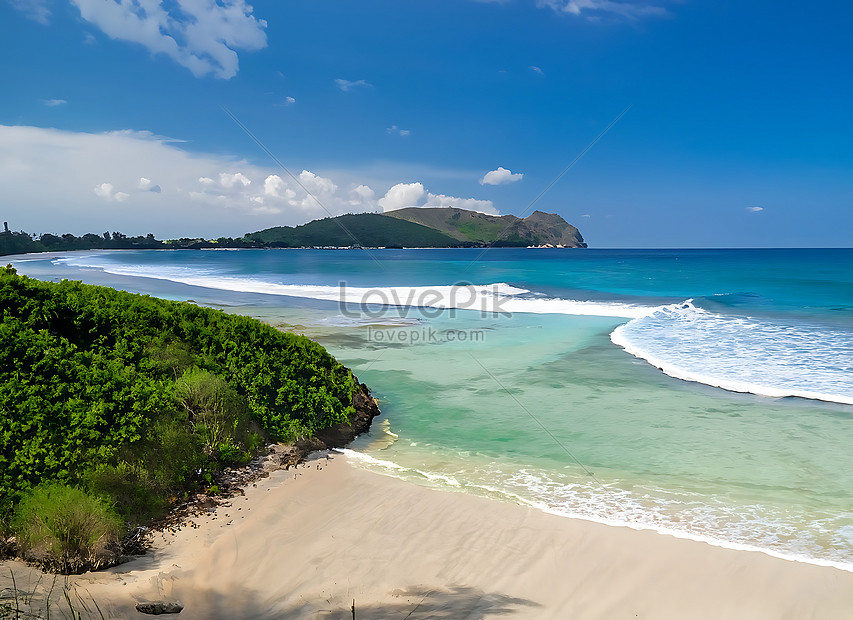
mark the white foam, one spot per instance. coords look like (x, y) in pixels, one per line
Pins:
(618, 508)
(485, 298)
(743, 354)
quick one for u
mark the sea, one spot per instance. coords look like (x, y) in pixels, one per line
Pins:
(704, 394)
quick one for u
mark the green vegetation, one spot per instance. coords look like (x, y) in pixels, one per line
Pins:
(66, 529)
(137, 400)
(365, 229)
(460, 224)
(20, 242)
(414, 227)
(500, 231)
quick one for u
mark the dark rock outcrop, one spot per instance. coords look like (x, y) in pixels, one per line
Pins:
(158, 608)
(366, 408)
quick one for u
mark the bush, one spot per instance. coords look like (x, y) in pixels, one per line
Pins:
(134, 491)
(214, 410)
(66, 530)
(139, 399)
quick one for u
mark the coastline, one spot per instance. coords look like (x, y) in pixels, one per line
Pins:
(306, 542)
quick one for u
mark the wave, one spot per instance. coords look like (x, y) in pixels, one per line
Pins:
(684, 515)
(498, 298)
(742, 354)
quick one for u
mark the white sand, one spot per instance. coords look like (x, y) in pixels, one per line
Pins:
(306, 543)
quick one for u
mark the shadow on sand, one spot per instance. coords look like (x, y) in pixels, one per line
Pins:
(420, 603)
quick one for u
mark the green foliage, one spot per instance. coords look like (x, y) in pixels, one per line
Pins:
(140, 398)
(65, 529)
(22, 242)
(215, 411)
(367, 229)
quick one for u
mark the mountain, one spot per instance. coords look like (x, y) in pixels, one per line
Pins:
(418, 227)
(507, 230)
(365, 229)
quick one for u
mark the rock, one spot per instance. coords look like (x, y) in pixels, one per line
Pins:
(159, 607)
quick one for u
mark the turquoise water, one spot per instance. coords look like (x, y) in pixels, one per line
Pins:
(705, 394)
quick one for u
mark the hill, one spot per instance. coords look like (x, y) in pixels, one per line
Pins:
(419, 227)
(367, 229)
(507, 230)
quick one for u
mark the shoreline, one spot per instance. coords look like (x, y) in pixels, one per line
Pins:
(306, 542)
(516, 500)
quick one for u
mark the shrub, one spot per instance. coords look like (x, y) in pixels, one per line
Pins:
(66, 530)
(135, 494)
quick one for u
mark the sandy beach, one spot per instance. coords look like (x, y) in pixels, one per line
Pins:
(306, 543)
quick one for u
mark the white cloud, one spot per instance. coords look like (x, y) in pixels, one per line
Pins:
(317, 184)
(105, 191)
(34, 9)
(73, 181)
(346, 85)
(147, 186)
(471, 204)
(755, 209)
(275, 187)
(363, 196)
(289, 101)
(229, 180)
(586, 215)
(393, 129)
(595, 9)
(405, 195)
(536, 69)
(52, 103)
(402, 195)
(201, 35)
(500, 176)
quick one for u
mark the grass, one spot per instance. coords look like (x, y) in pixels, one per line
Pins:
(64, 529)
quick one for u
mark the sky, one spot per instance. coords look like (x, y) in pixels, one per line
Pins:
(220, 117)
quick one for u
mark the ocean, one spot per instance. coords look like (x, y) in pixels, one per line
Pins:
(705, 394)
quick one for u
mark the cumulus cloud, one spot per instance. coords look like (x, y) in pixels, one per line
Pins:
(402, 195)
(536, 69)
(34, 9)
(346, 85)
(147, 186)
(52, 103)
(275, 187)
(229, 180)
(393, 129)
(201, 35)
(289, 101)
(405, 195)
(755, 209)
(200, 194)
(363, 195)
(471, 204)
(106, 191)
(595, 9)
(500, 176)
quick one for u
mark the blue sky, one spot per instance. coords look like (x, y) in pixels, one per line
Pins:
(739, 131)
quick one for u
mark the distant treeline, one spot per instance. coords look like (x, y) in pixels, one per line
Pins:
(19, 242)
